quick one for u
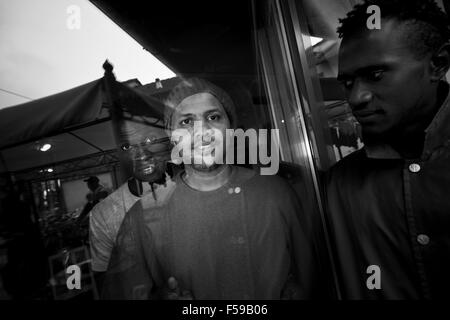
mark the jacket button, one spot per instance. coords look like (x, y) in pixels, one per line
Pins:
(414, 167)
(423, 239)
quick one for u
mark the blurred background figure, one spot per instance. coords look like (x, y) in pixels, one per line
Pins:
(96, 194)
(24, 267)
(98, 191)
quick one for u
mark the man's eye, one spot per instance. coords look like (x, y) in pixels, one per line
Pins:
(213, 117)
(347, 83)
(376, 75)
(185, 122)
(149, 140)
(125, 147)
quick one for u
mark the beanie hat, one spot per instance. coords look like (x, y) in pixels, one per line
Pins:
(191, 86)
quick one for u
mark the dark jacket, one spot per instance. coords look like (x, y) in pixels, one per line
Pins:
(393, 213)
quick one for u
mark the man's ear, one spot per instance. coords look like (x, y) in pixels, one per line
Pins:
(440, 62)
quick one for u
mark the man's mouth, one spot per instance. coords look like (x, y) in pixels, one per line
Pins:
(148, 170)
(145, 167)
(204, 145)
(366, 115)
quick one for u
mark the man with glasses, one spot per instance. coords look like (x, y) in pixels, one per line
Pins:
(143, 152)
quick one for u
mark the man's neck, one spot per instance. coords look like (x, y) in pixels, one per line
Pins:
(138, 188)
(207, 180)
(409, 141)
(409, 145)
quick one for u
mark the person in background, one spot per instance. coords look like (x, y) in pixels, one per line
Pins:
(98, 191)
(388, 204)
(26, 270)
(143, 152)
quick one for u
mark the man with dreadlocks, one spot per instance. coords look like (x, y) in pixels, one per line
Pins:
(388, 204)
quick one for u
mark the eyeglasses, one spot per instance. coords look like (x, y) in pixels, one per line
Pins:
(147, 143)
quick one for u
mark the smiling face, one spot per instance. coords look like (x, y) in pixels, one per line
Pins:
(206, 121)
(143, 150)
(387, 87)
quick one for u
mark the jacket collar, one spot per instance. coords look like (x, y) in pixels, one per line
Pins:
(436, 135)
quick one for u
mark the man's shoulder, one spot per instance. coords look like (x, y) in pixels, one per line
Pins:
(272, 195)
(115, 201)
(253, 179)
(353, 159)
(354, 167)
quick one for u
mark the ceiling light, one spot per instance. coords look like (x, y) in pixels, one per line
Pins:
(45, 147)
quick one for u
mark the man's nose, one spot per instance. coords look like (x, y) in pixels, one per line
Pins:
(141, 153)
(204, 130)
(359, 95)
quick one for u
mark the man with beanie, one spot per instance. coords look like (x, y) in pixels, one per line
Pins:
(226, 232)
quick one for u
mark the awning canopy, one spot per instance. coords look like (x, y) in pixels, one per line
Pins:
(52, 114)
(211, 38)
(75, 122)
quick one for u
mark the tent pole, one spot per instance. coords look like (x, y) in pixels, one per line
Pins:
(109, 82)
(115, 111)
